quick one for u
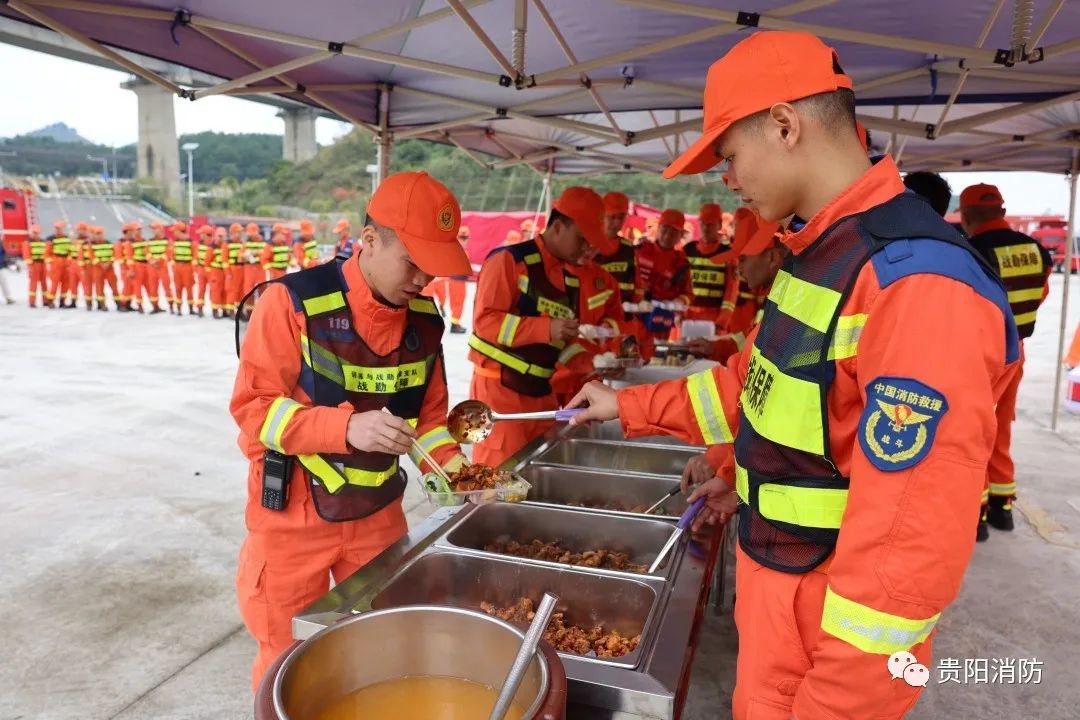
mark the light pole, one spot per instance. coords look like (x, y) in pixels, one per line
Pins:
(104, 165)
(190, 149)
(373, 171)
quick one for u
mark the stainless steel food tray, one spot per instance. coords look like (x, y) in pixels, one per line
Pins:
(600, 490)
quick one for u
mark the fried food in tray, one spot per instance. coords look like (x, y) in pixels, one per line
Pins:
(568, 638)
(474, 483)
(553, 552)
(616, 506)
(474, 477)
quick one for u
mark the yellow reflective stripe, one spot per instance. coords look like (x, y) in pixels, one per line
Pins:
(554, 309)
(508, 329)
(1022, 259)
(626, 286)
(431, 440)
(705, 292)
(504, 358)
(810, 304)
(533, 258)
(277, 418)
(786, 409)
(872, 631)
(1017, 296)
(613, 324)
(727, 305)
(802, 506)
(324, 303)
(1003, 488)
(708, 409)
(571, 281)
(616, 267)
(383, 380)
(740, 340)
(423, 305)
(598, 300)
(1025, 318)
(705, 261)
(985, 496)
(334, 476)
(742, 483)
(523, 284)
(322, 361)
(845, 342)
(570, 352)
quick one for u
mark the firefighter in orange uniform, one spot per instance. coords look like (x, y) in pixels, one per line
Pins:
(182, 257)
(234, 268)
(306, 249)
(157, 268)
(343, 504)
(121, 252)
(748, 302)
(206, 237)
(347, 245)
(102, 268)
(664, 275)
(215, 253)
(33, 253)
(712, 277)
(254, 244)
(451, 291)
(525, 318)
(80, 265)
(133, 266)
(57, 259)
(621, 263)
(1023, 265)
(864, 414)
(275, 256)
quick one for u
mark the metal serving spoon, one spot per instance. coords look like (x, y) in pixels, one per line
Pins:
(471, 421)
(524, 656)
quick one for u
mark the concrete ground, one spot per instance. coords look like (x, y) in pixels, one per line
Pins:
(123, 506)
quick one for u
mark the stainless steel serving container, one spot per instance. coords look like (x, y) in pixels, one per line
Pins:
(621, 456)
(598, 489)
(638, 536)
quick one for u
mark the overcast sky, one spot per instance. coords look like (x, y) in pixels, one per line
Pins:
(40, 89)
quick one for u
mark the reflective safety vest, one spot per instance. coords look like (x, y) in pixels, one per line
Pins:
(138, 250)
(104, 253)
(61, 246)
(311, 250)
(785, 474)
(235, 248)
(217, 260)
(338, 367)
(253, 248)
(709, 278)
(527, 369)
(280, 258)
(624, 267)
(182, 251)
(156, 248)
(1023, 266)
(37, 250)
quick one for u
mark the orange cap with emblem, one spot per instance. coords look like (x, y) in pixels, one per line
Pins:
(981, 195)
(615, 203)
(586, 208)
(253, 229)
(710, 213)
(236, 228)
(426, 216)
(753, 235)
(764, 69)
(674, 218)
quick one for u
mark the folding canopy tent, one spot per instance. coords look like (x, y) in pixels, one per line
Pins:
(584, 86)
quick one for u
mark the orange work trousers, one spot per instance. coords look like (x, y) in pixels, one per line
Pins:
(507, 438)
(59, 280)
(135, 282)
(452, 292)
(157, 273)
(234, 285)
(215, 280)
(274, 273)
(38, 282)
(253, 275)
(286, 563)
(103, 276)
(74, 278)
(1000, 471)
(183, 284)
(778, 616)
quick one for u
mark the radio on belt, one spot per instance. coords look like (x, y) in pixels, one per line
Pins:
(275, 485)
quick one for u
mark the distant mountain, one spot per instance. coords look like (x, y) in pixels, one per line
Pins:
(60, 133)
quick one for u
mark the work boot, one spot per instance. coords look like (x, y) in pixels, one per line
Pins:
(101, 307)
(1000, 513)
(193, 311)
(10, 301)
(89, 305)
(172, 308)
(456, 329)
(982, 534)
(157, 309)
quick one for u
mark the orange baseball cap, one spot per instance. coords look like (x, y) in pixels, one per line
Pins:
(426, 216)
(512, 237)
(306, 226)
(253, 229)
(981, 195)
(764, 69)
(219, 232)
(753, 235)
(179, 227)
(81, 225)
(710, 213)
(341, 225)
(586, 208)
(35, 228)
(157, 224)
(59, 224)
(674, 218)
(277, 228)
(206, 230)
(236, 228)
(615, 203)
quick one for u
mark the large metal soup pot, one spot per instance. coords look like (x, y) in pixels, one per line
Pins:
(419, 640)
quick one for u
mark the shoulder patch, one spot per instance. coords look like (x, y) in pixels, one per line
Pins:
(897, 427)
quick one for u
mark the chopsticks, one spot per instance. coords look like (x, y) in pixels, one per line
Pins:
(435, 466)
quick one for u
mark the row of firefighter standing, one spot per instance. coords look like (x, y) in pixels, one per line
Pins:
(186, 266)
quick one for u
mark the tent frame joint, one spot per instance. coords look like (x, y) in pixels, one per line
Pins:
(181, 18)
(522, 82)
(505, 81)
(335, 47)
(747, 19)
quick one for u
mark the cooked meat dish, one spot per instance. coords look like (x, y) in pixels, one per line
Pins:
(568, 638)
(553, 552)
(473, 477)
(616, 506)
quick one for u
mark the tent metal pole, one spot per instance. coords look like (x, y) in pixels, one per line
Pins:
(485, 40)
(268, 72)
(975, 121)
(1034, 138)
(521, 27)
(386, 140)
(1070, 242)
(106, 9)
(472, 155)
(57, 26)
(1048, 18)
(259, 90)
(890, 79)
(424, 130)
(1017, 74)
(990, 20)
